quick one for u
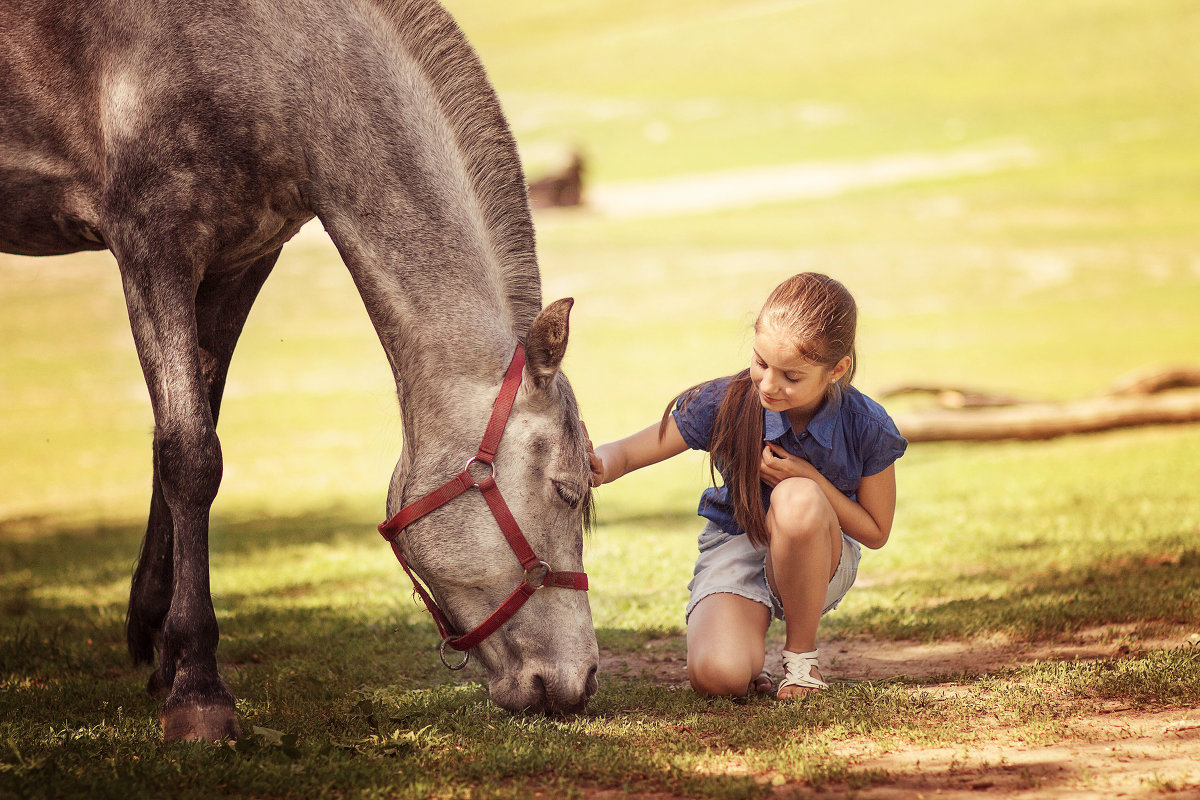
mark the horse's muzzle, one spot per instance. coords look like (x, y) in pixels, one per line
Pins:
(546, 689)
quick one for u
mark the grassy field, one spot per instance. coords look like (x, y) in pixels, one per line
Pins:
(1047, 278)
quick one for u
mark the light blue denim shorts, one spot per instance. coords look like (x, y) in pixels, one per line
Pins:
(732, 563)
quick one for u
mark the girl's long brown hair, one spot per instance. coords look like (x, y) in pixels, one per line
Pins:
(821, 317)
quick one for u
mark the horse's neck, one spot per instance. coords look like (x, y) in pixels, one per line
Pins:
(426, 203)
(440, 307)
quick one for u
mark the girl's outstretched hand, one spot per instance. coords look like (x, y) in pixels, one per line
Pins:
(595, 463)
(778, 464)
(597, 466)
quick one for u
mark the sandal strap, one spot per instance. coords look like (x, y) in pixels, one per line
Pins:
(797, 670)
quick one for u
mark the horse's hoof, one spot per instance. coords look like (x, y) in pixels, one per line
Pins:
(157, 687)
(199, 724)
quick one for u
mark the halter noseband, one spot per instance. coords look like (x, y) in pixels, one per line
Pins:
(537, 572)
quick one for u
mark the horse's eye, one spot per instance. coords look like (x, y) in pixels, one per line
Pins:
(567, 493)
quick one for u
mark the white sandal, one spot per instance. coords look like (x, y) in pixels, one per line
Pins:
(797, 671)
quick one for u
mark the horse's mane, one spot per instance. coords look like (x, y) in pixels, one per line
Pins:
(482, 135)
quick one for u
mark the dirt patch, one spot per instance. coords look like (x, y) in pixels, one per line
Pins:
(1112, 752)
(1113, 755)
(861, 658)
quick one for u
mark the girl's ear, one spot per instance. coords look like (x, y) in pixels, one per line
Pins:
(546, 343)
(839, 369)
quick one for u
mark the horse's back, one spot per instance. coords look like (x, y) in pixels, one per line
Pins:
(50, 155)
(226, 126)
(119, 110)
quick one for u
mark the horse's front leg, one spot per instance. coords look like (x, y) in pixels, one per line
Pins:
(161, 299)
(151, 589)
(222, 305)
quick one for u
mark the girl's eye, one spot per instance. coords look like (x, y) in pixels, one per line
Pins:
(567, 493)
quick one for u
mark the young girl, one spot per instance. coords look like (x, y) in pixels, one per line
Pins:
(806, 463)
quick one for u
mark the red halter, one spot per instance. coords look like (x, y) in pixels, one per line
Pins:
(537, 572)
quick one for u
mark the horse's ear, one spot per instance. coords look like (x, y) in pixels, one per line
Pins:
(547, 342)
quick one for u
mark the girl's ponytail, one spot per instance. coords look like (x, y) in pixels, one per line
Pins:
(735, 449)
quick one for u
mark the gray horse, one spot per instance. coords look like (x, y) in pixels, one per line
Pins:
(194, 138)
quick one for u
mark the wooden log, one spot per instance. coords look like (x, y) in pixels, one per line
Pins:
(957, 396)
(1047, 421)
(1153, 380)
(1139, 382)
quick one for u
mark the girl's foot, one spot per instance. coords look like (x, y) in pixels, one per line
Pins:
(800, 675)
(762, 684)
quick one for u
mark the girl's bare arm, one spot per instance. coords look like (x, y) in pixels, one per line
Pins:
(611, 461)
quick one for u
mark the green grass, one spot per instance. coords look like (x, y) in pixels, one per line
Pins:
(1048, 281)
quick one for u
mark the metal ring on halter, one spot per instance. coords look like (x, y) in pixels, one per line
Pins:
(477, 460)
(461, 664)
(545, 575)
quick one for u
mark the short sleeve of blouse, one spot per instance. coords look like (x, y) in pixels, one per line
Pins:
(695, 413)
(882, 444)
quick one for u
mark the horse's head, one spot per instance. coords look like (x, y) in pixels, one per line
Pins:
(544, 658)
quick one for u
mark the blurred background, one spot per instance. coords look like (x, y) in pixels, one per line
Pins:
(1010, 189)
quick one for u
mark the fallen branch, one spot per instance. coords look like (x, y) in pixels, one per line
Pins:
(957, 396)
(1046, 420)
(1139, 382)
(1152, 381)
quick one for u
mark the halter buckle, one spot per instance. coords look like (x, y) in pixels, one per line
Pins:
(541, 584)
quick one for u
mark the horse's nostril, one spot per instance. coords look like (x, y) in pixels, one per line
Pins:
(592, 684)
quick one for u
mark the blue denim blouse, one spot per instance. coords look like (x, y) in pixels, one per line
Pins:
(849, 438)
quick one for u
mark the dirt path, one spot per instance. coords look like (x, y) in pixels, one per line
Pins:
(1112, 752)
(1123, 754)
(724, 190)
(664, 660)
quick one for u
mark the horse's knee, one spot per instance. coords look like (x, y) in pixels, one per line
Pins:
(188, 461)
(720, 674)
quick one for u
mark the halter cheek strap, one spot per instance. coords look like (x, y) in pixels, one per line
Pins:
(538, 573)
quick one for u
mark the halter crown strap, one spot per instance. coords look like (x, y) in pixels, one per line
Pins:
(452, 488)
(502, 407)
(533, 566)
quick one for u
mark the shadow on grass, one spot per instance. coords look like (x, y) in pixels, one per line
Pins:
(372, 710)
(369, 705)
(49, 548)
(59, 560)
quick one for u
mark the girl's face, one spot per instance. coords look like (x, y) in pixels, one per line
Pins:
(785, 381)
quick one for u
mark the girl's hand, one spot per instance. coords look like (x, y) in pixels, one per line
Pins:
(597, 466)
(778, 464)
(595, 462)
(602, 464)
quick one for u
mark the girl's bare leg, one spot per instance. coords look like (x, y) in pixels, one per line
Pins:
(806, 545)
(725, 644)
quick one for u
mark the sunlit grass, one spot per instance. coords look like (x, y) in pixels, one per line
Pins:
(1047, 281)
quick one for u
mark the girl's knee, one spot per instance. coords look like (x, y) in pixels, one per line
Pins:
(799, 507)
(719, 674)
